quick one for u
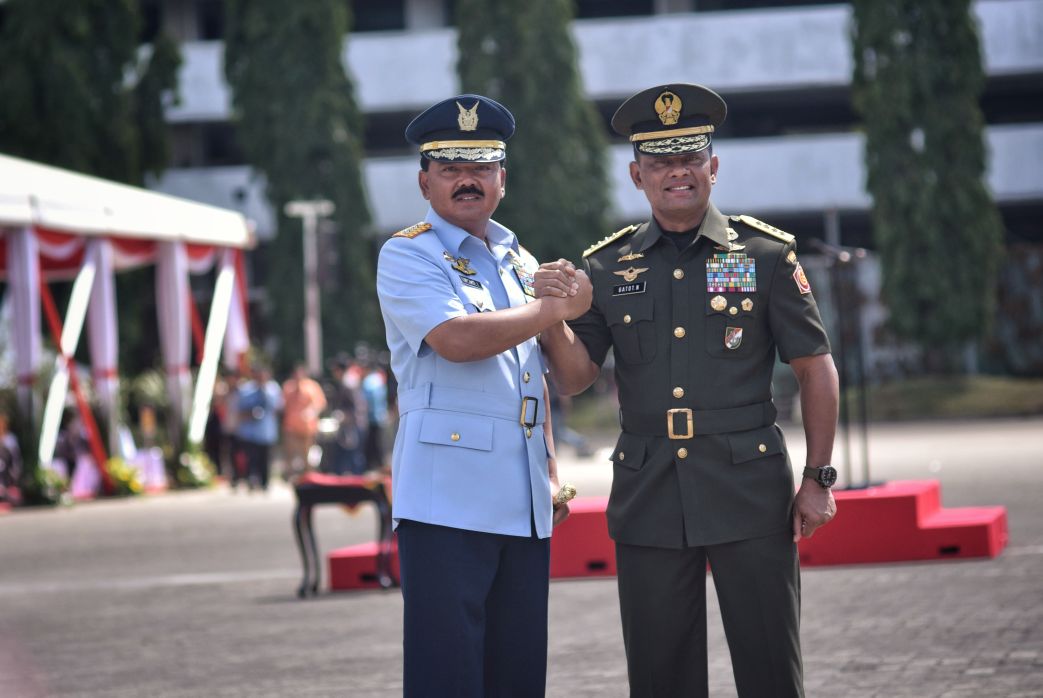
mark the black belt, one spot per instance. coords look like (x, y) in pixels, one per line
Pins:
(685, 423)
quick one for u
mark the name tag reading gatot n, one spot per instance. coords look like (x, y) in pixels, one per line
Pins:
(628, 289)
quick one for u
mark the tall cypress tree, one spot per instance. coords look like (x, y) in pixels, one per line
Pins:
(918, 76)
(299, 125)
(67, 100)
(520, 52)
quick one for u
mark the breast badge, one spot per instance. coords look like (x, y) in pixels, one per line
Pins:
(630, 275)
(731, 272)
(747, 304)
(461, 264)
(732, 337)
(718, 303)
(801, 280)
(630, 257)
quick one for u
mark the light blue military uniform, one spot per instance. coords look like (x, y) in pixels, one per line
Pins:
(470, 451)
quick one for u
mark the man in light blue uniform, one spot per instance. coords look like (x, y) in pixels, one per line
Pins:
(473, 468)
(474, 473)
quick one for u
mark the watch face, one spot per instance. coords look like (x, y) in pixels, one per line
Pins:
(827, 475)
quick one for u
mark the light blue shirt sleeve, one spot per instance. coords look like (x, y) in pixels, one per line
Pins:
(415, 293)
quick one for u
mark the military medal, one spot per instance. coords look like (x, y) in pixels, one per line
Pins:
(732, 337)
(525, 277)
(731, 272)
(801, 280)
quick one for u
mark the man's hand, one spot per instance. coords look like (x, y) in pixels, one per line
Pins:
(812, 507)
(561, 511)
(575, 303)
(556, 279)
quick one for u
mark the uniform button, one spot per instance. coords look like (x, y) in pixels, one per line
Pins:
(679, 332)
(762, 448)
(682, 452)
(526, 376)
(528, 432)
(733, 310)
(679, 392)
(621, 455)
(678, 273)
(454, 436)
(626, 319)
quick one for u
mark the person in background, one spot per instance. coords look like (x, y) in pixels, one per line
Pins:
(348, 455)
(303, 401)
(375, 390)
(10, 463)
(259, 401)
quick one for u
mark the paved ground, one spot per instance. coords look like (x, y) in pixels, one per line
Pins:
(191, 594)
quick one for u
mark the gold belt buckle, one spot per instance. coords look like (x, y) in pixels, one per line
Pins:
(525, 412)
(689, 425)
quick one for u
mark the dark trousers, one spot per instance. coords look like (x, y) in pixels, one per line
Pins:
(475, 613)
(258, 463)
(662, 599)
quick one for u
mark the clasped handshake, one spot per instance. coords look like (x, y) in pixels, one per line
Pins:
(565, 290)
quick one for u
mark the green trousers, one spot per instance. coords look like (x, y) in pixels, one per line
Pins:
(662, 600)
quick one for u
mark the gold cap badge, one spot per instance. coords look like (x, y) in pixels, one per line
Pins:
(668, 107)
(468, 118)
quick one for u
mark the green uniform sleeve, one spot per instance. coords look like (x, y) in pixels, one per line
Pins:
(792, 312)
(591, 327)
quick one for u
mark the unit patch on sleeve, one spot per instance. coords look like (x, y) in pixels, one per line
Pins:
(731, 272)
(801, 280)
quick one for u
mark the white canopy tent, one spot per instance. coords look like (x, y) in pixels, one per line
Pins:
(57, 224)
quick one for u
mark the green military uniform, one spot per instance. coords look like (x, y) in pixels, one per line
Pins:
(680, 346)
(700, 470)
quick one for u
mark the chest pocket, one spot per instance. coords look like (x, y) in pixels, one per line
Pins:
(736, 329)
(633, 331)
(476, 300)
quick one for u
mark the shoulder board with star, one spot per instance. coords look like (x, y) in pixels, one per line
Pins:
(611, 238)
(765, 228)
(413, 230)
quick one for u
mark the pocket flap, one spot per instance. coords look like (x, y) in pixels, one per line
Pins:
(629, 310)
(759, 443)
(453, 429)
(629, 451)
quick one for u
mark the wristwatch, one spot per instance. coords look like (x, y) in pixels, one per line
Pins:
(825, 476)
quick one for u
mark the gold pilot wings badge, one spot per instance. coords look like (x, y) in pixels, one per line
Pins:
(631, 273)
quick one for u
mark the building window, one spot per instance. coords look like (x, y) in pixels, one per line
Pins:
(210, 19)
(586, 9)
(378, 15)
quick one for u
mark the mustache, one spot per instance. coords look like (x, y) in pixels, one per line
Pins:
(468, 189)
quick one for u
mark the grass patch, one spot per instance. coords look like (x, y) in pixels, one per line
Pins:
(953, 397)
(916, 398)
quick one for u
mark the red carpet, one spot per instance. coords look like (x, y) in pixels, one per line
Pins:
(894, 522)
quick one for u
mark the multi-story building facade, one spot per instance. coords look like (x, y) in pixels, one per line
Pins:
(791, 150)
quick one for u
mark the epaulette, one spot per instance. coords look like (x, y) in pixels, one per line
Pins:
(413, 230)
(764, 228)
(611, 238)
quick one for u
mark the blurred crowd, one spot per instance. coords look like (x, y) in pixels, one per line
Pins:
(339, 426)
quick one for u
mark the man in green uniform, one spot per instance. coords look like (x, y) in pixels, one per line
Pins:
(695, 305)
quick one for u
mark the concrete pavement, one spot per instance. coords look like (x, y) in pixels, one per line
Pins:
(192, 594)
